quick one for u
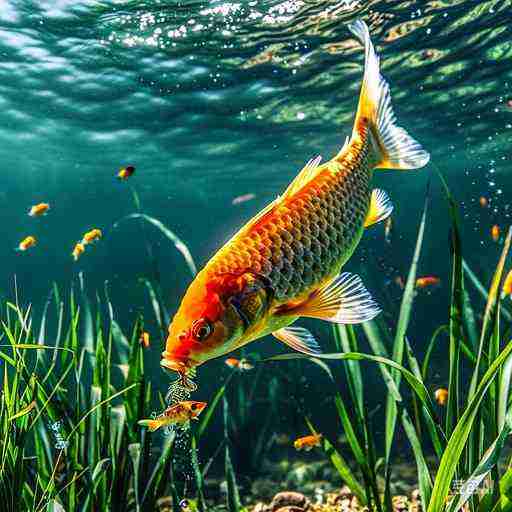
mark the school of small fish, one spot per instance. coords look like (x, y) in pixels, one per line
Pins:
(93, 235)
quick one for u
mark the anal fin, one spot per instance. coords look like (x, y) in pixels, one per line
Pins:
(344, 300)
(380, 207)
(299, 339)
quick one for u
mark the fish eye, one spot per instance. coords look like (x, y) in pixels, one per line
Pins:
(201, 329)
(193, 407)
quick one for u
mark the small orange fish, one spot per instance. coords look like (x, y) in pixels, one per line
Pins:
(78, 250)
(495, 232)
(180, 413)
(483, 202)
(441, 396)
(239, 364)
(39, 209)
(426, 281)
(507, 285)
(307, 443)
(144, 339)
(125, 172)
(92, 236)
(26, 243)
(242, 199)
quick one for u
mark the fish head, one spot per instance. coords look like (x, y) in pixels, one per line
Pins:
(193, 408)
(217, 314)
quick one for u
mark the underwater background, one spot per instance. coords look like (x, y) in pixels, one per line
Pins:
(218, 105)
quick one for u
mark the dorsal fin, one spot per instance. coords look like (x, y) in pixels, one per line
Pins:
(304, 176)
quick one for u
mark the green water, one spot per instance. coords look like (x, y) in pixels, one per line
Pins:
(214, 100)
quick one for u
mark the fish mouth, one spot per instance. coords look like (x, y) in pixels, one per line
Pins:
(173, 364)
(184, 367)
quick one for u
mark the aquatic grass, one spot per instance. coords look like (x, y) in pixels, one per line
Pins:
(106, 454)
(168, 233)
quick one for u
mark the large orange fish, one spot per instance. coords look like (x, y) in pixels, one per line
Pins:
(285, 263)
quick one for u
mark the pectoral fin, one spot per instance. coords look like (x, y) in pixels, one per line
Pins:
(380, 207)
(344, 300)
(299, 339)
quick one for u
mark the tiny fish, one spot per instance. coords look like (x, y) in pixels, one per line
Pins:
(125, 172)
(307, 443)
(484, 202)
(239, 364)
(495, 232)
(388, 225)
(287, 261)
(144, 339)
(441, 396)
(26, 243)
(427, 281)
(78, 250)
(507, 285)
(243, 199)
(39, 209)
(175, 414)
(92, 236)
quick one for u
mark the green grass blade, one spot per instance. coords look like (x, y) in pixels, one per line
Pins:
(424, 478)
(212, 406)
(178, 243)
(482, 290)
(341, 465)
(461, 433)
(401, 330)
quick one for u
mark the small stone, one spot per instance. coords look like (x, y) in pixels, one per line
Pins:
(289, 499)
(260, 507)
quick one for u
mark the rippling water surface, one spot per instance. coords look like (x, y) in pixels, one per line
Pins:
(216, 100)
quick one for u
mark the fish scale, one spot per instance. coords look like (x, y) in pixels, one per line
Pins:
(310, 235)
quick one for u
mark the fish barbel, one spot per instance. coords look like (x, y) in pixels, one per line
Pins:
(285, 263)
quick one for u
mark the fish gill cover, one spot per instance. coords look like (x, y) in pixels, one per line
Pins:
(217, 105)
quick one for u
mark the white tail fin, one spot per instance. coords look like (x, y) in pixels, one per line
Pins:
(396, 149)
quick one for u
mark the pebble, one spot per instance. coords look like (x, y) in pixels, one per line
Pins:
(288, 499)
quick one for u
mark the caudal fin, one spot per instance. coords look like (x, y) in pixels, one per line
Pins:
(395, 148)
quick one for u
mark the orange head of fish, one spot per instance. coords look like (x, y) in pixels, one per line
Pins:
(193, 408)
(217, 314)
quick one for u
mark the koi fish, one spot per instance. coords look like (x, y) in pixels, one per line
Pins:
(239, 364)
(441, 396)
(507, 285)
(307, 443)
(39, 209)
(286, 262)
(144, 339)
(27, 243)
(180, 413)
(125, 172)
(92, 236)
(484, 202)
(495, 233)
(426, 281)
(78, 250)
